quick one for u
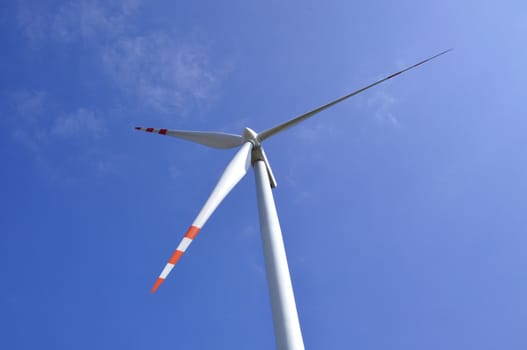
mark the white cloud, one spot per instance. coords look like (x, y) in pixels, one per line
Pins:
(35, 140)
(152, 69)
(29, 140)
(315, 132)
(29, 104)
(37, 127)
(249, 231)
(382, 103)
(80, 122)
(163, 73)
(35, 117)
(70, 21)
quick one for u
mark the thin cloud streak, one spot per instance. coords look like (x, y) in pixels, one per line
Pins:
(162, 73)
(38, 127)
(80, 122)
(29, 104)
(154, 70)
(77, 20)
(382, 103)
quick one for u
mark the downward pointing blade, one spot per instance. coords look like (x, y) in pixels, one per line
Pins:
(234, 172)
(270, 132)
(211, 139)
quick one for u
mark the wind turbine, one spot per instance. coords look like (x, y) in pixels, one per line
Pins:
(251, 152)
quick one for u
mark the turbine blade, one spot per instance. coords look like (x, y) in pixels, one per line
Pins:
(234, 172)
(270, 132)
(211, 139)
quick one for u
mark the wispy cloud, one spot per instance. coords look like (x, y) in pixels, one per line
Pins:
(36, 114)
(75, 20)
(38, 126)
(80, 122)
(163, 73)
(315, 131)
(249, 231)
(159, 69)
(30, 139)
(381, 103)
(29, 104)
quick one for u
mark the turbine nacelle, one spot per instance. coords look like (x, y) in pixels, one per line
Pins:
(251, 136)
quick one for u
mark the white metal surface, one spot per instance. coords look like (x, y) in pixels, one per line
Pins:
(183, 245)
(259, 154)
(234, 172)
(211, 139)
(166, 271)
(285, 317)
(279, 128)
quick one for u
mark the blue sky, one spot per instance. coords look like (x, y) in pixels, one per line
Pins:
(403, 209)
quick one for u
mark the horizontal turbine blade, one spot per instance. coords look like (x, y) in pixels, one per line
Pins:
(270, 132)
(234, 172)
(211, 139)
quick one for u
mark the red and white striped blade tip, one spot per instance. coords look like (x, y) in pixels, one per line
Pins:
(159, 281)
(159, 131)
(190, 235)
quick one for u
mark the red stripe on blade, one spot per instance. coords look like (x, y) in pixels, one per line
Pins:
(163, 131)
(149, 129)
(393, 75)
(192, 232)
(157, 284)
(175, 257)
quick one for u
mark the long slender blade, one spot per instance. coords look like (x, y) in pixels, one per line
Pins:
(234, 172)
(211, 139)
(272, 131)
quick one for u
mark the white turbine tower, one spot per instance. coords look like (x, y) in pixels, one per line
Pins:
(285, 318)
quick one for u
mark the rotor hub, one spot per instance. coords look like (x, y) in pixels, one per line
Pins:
(251, 136)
